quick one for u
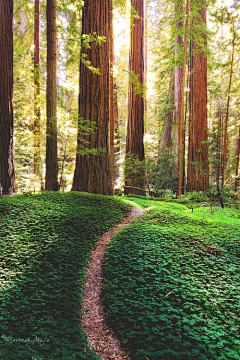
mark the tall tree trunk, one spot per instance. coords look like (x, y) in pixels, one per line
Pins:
(7, 178)
(198, 167)
(51, 134)
(184, 139)
(92, 173)
(178, 75)
(219, 144)
(135, 181)
(181, 112)
(111, 97)
(237, 161)
(145, 79)
(37, 112)
(113, 110)
(227, 112)
(117, 147)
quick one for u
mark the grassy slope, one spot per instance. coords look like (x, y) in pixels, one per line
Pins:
(171, 288)
(45, 241)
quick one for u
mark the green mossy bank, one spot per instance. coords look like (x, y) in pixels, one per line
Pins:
(172, 283)
(45, 243)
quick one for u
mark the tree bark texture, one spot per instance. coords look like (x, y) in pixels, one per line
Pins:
(237, 161)
(225, 140)
(181, 111)
(135, 126)
(198, 167)
(111, 97)
(178, 71)
(51, 182)
(7, 178)
(37, 112)
(92, 173)
(145, 78)
(219, 144)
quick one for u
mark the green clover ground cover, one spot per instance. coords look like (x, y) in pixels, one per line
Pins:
(45, 242)
(172, 284)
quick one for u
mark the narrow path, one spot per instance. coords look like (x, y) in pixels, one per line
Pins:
(102, 339)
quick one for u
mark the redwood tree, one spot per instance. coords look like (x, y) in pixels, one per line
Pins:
(37, 113)
(237, 160)
(135, 180)
(111, 95)
(7, 179)
(51, 134)
(178, 71)
(198, 167)
(92, 172)
(181, 108)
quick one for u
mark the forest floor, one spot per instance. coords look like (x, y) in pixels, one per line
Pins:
(102, 339)
(45, 243)
(170, 277)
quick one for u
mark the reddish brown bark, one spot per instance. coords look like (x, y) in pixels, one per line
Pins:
(135, 127)
(178, 75)
(111, 97)
(145, 79)
(219, 144)
(181, 112)
(7, 178)
(37, 112)
(198, 167)
(51, 182)
(237, 161)
(92, 173)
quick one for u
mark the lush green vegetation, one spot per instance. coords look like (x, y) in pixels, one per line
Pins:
(45, 243)
(171, 283)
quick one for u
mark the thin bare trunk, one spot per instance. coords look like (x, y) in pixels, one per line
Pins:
(219, 145)
(237, 161)
(178, 76)
(184, 139)
(145, 64)
(227, 112)
(181, 114)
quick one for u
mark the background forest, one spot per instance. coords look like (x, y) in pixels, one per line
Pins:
(172, 106)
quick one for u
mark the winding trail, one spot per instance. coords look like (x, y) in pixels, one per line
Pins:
(102, 339)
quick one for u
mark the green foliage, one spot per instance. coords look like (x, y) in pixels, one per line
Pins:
(170, 284)
(134, 170)
(138, 88)
(160, 173)
(45, 242)
(120, 5)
